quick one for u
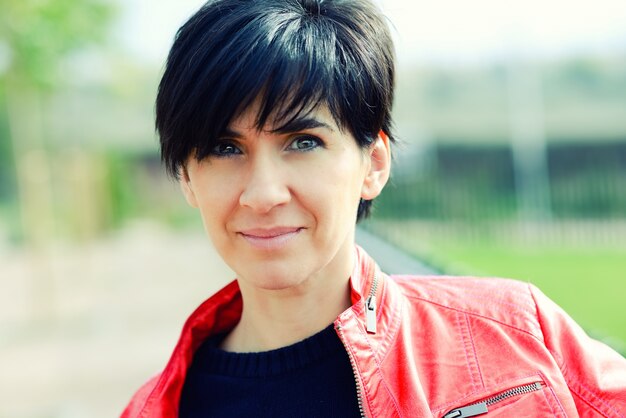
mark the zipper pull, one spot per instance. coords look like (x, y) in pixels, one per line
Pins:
(370, 318)
(468, 411)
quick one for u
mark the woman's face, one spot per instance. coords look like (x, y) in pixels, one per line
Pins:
(280, 207)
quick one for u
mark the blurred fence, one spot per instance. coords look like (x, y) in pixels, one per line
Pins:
(472, 192)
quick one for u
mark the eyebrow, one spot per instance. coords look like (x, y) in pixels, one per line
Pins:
(295, 125)
(301, 124)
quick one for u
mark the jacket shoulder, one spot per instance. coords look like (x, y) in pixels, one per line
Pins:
(509, 302)
(139, 399)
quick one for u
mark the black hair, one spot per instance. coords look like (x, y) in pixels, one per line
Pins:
(291, 56)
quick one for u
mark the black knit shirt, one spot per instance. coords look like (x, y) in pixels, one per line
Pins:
(312, 378)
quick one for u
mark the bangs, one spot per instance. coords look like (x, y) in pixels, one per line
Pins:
(289, 70)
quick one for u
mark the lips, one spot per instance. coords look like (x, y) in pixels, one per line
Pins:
(270, 238)
(269, 232)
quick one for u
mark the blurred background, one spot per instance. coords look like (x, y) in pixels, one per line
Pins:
(512, 162)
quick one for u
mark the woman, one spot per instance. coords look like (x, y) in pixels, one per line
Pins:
(275, 117)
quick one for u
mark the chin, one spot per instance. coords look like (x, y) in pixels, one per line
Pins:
(273, 279)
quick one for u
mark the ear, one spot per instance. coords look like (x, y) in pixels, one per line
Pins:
(379, 167)
(187, 188)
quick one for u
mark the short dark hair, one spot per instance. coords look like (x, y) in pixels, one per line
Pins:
(291, 55)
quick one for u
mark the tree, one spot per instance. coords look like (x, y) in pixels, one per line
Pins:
(35, 37)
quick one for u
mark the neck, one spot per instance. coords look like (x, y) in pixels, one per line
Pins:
(277, 318)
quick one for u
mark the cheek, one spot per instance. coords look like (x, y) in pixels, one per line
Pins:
(334, 188)
(215, 200)
(348, 176)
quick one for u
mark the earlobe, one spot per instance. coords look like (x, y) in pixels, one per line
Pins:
(185, 185)
(380, 167)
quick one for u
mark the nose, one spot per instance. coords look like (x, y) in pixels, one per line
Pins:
(266, 186)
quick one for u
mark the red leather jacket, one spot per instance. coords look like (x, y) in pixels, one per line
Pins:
(440, 347)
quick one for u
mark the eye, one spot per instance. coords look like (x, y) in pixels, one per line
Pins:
(305, 143)
(225, 149)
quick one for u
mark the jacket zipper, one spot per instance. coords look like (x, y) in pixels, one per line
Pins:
(480, 408)
(370, 307)
(370, 324)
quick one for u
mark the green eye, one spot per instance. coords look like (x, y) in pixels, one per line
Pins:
(305, 143)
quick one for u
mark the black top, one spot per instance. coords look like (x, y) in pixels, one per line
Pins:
(312, 378)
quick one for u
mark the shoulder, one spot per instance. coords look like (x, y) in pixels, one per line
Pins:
(509, 302)
(139, 399)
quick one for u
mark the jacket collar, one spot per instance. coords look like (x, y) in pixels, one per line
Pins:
(222, 311)
(363, 273)
(388, 301)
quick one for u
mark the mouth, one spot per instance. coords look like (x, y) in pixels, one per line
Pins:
(272, 238)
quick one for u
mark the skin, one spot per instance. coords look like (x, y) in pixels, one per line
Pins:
(280, 209)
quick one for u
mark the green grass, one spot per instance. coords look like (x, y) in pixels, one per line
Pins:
(589, 283)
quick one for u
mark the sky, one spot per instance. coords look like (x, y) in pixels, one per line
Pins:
(435, 31)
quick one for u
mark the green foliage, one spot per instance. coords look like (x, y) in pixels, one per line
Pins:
(122, 188)
(7, 171)
(137, 187)
(39, 33)
(35, 37)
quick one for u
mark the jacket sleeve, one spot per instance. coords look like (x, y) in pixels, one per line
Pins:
(595, 374)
